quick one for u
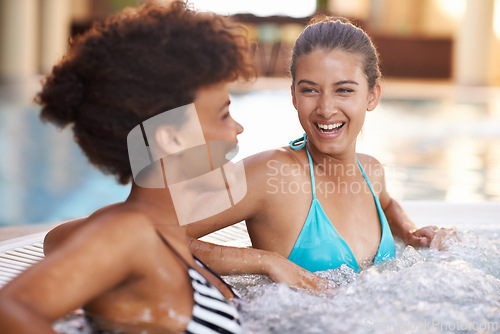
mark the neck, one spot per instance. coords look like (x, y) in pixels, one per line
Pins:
(156, 203)
(164, 205)
(320, 158)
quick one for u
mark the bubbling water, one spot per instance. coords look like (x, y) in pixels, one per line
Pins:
(456, 288)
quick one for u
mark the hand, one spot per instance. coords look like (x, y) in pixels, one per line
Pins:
(443, 238)
(282, 270)
(421, 237)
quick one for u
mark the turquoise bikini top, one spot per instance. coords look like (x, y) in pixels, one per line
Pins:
(319, 246)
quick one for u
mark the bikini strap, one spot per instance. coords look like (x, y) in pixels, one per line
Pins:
(377, 202)
(311, 171)
(299, 143)
(235, 295)
(365, 176)
(172, 249)
(230, 288)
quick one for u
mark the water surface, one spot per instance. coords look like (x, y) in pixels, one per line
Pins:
(456, 289)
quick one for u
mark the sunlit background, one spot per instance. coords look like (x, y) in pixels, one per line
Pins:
(437, 129)
(258, 7)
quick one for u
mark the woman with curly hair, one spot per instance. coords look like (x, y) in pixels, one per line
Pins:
(129, 264)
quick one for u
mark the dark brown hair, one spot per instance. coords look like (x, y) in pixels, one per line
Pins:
(134, 65)
(329, 33)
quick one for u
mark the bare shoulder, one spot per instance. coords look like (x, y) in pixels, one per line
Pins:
(268, 161)
(124, 228)
(121, 223)
(372, 167)
(106, 219)
(60, 233)
(265, 172)
(368, 160)
(265, 168)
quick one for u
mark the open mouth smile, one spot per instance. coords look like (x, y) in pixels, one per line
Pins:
(329, 128)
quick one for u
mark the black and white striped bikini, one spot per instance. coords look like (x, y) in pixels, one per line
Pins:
(212, 312)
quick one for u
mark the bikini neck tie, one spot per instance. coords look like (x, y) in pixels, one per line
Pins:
(299, 143)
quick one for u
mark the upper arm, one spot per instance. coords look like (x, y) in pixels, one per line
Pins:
(256, 170)
(98, 257)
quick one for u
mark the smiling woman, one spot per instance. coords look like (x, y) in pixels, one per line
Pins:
(335, 74)
(331, 101)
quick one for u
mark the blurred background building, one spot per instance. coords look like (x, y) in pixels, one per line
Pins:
(457, 40)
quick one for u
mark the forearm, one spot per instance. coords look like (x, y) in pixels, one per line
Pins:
(401, 226)
(202, 228)
(226, 260)
(233, 260)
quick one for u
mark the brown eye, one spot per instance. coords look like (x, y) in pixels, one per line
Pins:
(308, 90)
(345, 90)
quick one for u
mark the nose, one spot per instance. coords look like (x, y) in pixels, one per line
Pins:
(239, 127)
(327, 106)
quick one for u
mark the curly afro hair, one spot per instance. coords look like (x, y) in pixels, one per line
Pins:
(134, 65)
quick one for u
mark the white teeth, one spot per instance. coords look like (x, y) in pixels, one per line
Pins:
(329, 126)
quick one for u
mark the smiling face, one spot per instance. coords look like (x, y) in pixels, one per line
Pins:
(331, 95)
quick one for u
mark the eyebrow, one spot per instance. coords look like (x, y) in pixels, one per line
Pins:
(343, 82)
(338, 83)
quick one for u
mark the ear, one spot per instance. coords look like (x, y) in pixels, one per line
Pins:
(168, 140)
(294, 100)
(374, 97)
